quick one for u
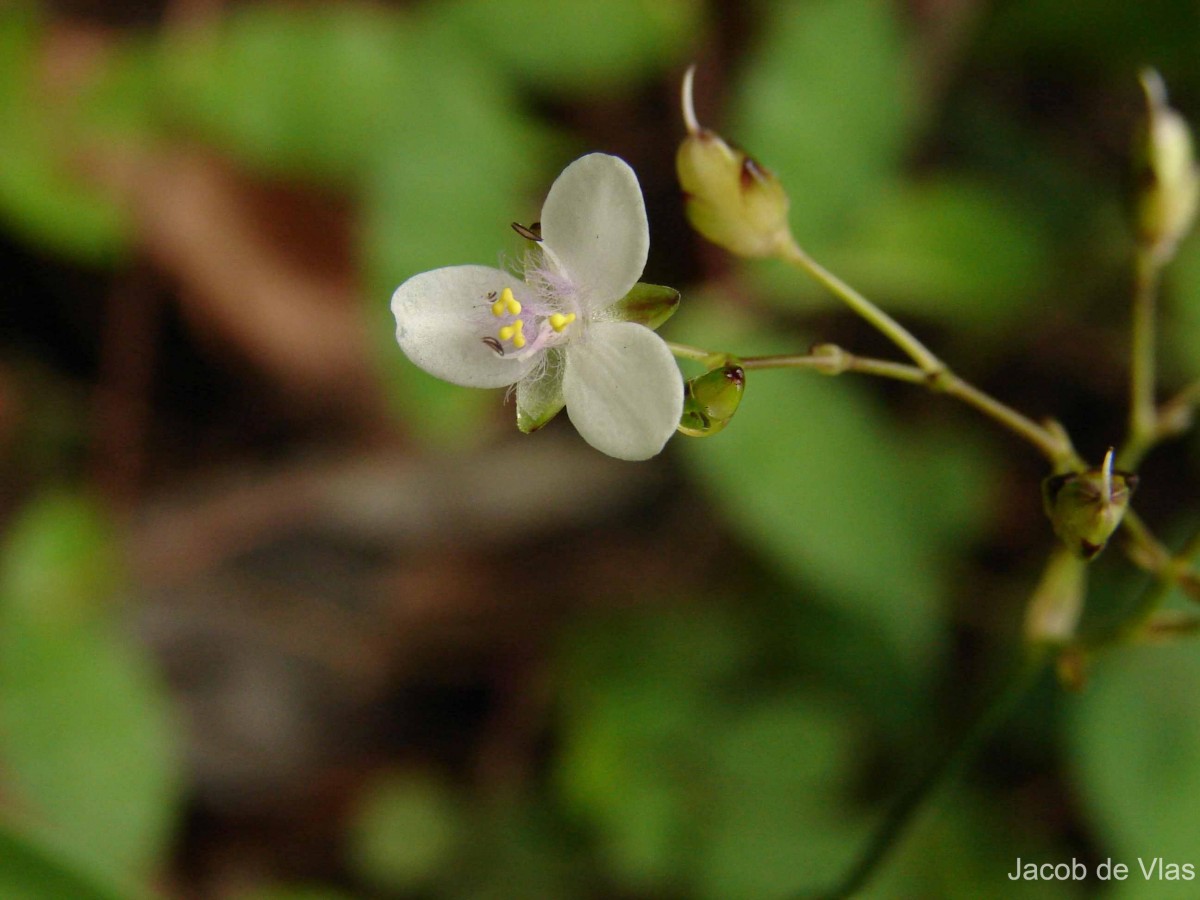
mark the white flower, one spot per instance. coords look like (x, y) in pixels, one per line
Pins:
(557, 333)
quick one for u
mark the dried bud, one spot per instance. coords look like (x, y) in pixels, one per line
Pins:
(710, 400)
(1085, 508)
(730, 199)
(1169, 181)
(1057, 602)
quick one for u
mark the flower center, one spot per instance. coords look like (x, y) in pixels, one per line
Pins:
(525, 328)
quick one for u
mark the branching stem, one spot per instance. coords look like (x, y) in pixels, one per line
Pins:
(829, 359)
(881, 321)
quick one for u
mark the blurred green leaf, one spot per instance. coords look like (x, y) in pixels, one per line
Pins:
(519, 849)
(637, 692)
(947, 249)
(829, 506)
(1135, 748)
(577, 46)
(845, 656)
(59, 565)
(1181, 315)
(964, 845)
(1082, 39)
(780, 822)
(406, 831)
(836, 495)
(826, 104)
(682, 648)
(660, 722)
(41, 196)
(445, 186)
(296, 892)
(440, 414)
(123, 101)
(314, 89)
(85, 733)
(33, 870)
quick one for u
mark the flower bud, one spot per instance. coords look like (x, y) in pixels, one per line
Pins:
(1169, 183)
(1085, 508)
(710, 400)
(1057, 602)
(729, 198)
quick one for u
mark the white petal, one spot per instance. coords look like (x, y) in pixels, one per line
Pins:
(594, 223)
(440, 317)
(623, 390)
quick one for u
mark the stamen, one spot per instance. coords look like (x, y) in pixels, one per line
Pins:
(506, 304)
(514, 333)
(558, 321)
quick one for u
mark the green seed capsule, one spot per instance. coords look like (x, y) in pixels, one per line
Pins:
(1085, 508)
(711, 399)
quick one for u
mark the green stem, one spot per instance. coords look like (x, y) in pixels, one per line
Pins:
(899, 335)
(836, 362)
(707, 358)
(1053, 444)
(1145, 550)
(1176, 415)
(1141, 546)
(833, 360)
(937, 374)
(922, 789)
(1143, 415)
(1187, 399)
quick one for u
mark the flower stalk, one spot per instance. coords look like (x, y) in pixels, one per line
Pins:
(830, 359)
(1143, 413)
(791, 252)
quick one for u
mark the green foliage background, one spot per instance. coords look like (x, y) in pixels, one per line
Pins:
(739, 742)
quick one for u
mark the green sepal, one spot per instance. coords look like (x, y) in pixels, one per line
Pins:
(711, 399)
(540, 397)
(645, 304)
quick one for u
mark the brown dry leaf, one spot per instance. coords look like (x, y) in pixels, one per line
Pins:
(265, 268)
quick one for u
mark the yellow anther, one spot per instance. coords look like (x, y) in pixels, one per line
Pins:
(511, 303)
(513, 333)
(506, 303)
(558, 321)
